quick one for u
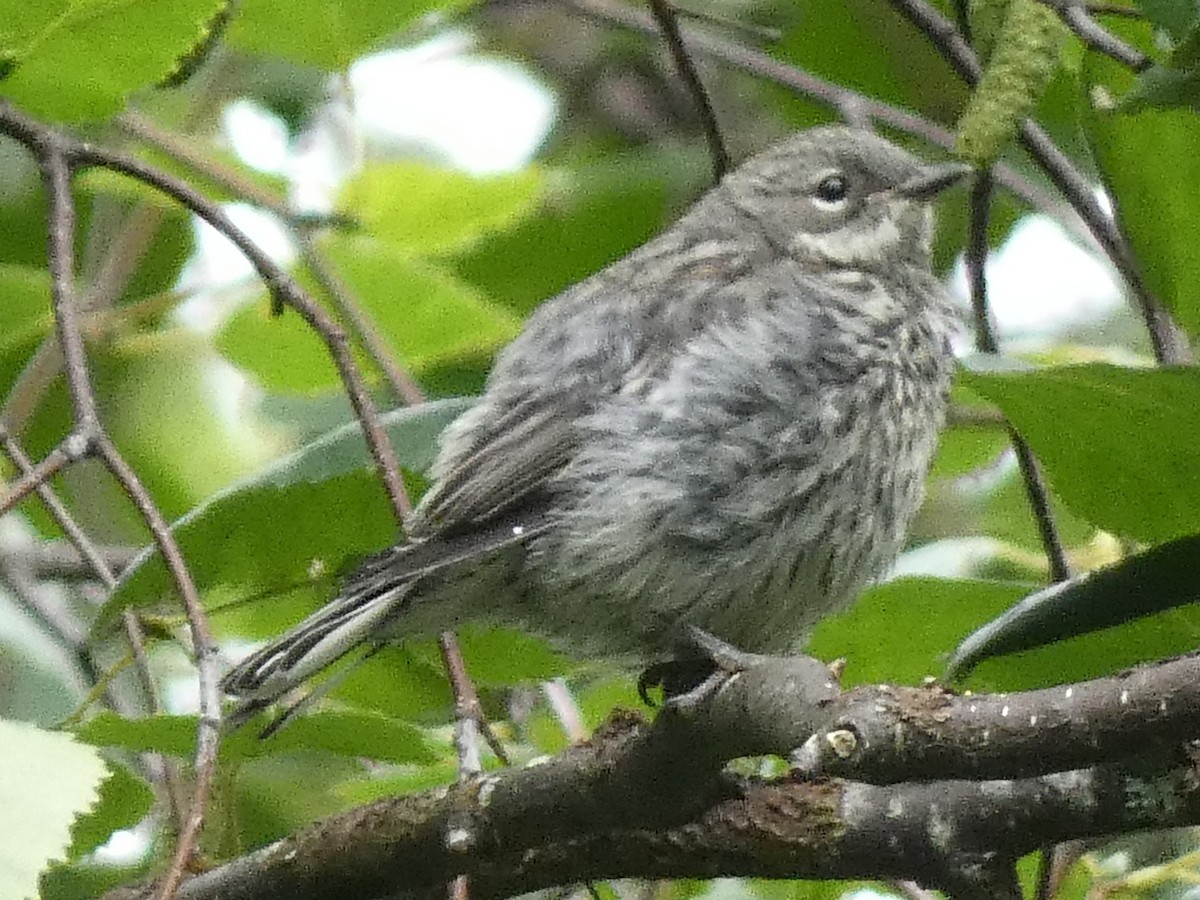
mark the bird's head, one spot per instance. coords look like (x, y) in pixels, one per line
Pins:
(842, 198)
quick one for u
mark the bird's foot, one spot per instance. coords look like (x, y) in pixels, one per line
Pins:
(703, 664)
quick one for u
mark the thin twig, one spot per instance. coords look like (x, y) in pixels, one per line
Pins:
(987, 342)
(403, 387)
(1077, 17)
(467, 707)
(833, 95)
(286, 292)
(668, 24)
(54, 462)
(1170, 344)
(53, 154)
(204, 653)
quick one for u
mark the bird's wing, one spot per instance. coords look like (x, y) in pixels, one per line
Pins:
(507, 466)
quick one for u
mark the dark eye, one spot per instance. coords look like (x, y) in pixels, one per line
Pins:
(832, 189)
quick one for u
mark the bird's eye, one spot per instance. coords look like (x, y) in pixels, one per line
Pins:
(832, 190)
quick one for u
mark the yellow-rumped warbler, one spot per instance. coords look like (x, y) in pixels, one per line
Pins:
(729, 428)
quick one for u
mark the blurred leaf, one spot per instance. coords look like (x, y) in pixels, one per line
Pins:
(25, 319)
(124, 800)
(426, 314)
(876, 51)
(347, 733)
(1112, 441)
(1162, 87)
(283, 353)
(158, 404)
(1155, 211)
(22, 23)
(901, 631)
(324, 33)
(594, 212)
(53, 774)
(88, 879)
(501, 656)
(904, 630)
(302, 517)
(1147, 583)
(424, 209)
(24, 299)
(87, 60)
(1176, 16)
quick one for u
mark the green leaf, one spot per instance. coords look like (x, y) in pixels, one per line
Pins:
(302, 517)
(918, 620)
(595, 212)
(25, 319)
(52, 774)
(1176, 16)
(424, 209)
(349, 733)
(427, 315)
(326, 33)
(1154, 207)
(125, 800)
(1163, 87)
(85, 62)
(1115, 443)
(904, 630)
(501, 656)
(1141, 585)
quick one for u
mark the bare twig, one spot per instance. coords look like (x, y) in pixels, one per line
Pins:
(987, 342)
(403, 387)
(834, 95)
(467, 707)
(54, 159)
(664, 14)
(1078, 18)
(286, 292)
(1169, 342)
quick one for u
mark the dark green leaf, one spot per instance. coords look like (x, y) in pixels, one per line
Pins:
(1114, 442)
(1176, 16)
(901, 631)
(1150, 582)
(1149, 189)
(86, 61)
(302, 517)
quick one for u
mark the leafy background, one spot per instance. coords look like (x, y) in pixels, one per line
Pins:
(231, 415)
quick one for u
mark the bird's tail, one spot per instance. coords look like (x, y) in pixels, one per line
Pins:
(316, 643)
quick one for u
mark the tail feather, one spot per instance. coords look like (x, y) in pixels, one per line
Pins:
(316, 643)
(373, 596)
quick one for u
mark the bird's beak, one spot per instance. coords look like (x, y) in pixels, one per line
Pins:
(932, 180)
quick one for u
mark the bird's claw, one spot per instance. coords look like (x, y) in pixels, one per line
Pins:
(704, 663)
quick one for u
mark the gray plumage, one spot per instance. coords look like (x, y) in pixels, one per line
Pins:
(728, 428)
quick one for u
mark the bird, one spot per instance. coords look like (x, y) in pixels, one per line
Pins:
(728, 429)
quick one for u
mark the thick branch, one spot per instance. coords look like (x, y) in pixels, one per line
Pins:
(655, 800)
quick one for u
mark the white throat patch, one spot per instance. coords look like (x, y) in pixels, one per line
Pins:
(851, 246)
